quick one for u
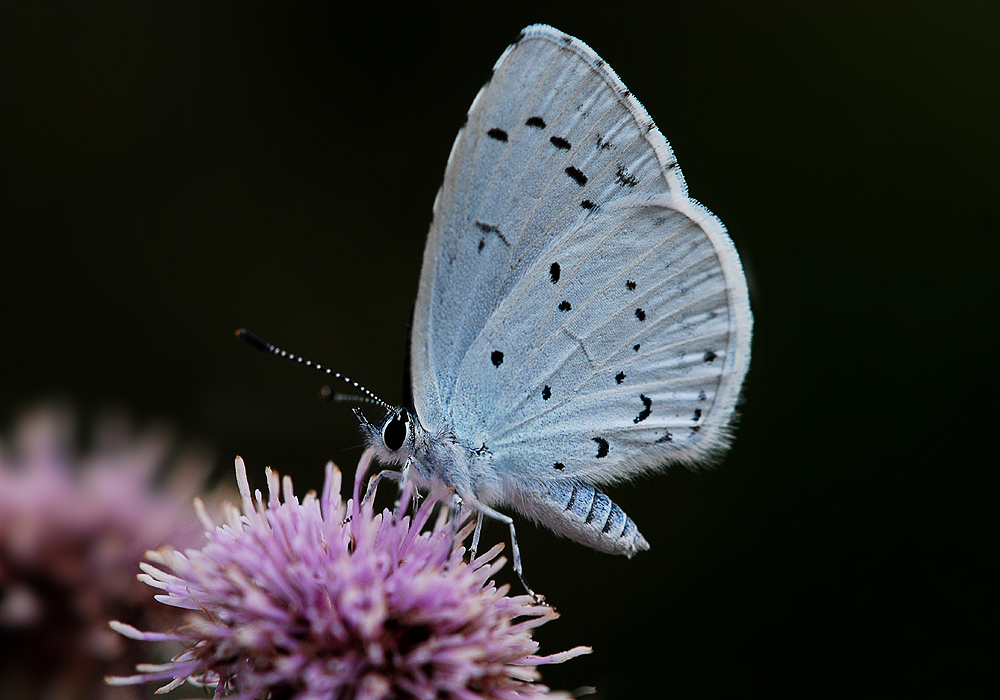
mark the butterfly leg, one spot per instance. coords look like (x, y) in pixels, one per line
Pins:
(475, 537)
(404, 479)
(514, 550)
(455, 518)
(377, 478)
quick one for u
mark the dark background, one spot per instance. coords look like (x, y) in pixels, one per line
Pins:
(172, 172)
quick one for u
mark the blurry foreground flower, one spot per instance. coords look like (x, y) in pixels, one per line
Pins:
(72, 533)
(326, 599)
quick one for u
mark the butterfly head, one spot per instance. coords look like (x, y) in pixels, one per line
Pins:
(393, 438)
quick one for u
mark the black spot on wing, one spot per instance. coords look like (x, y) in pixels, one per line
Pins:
(554, 272)
(602, 447)
(559, 142)
(620, 377)
(625, 178)
(647, 409)
(559, 465)
(565, 305)
(587, 204)
(536, 122)
(546, 393)
(697, 414)
(667, 437)
(482, 244)
(489, 228)
(497, 134)
(496, 357)
(709, 356)
(702, 396)
(577, 175)
(630, 285)
(640, 314)
(636, 347)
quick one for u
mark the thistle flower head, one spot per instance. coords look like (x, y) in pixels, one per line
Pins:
(73, 529)
(320, 598)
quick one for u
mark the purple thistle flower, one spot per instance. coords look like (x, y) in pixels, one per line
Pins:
(326, 599)
(73, 530)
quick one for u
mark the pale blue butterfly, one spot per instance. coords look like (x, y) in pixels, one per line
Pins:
(580, 320)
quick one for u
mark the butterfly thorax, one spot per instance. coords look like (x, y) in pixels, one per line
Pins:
(437, 455)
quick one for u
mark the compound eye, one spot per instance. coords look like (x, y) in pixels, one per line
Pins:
(395, 430)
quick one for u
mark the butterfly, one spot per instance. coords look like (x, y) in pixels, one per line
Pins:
(579, 319)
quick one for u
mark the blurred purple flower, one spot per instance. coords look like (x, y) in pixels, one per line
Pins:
(73, 531)
(326, 599)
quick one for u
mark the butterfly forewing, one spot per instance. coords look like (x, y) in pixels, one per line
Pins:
(512, 185)
(577, 314)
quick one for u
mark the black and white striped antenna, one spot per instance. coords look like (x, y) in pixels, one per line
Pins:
(258, 343)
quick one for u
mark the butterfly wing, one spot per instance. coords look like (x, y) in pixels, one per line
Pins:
(578, 314)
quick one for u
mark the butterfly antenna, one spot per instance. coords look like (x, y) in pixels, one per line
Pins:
(331, 396)
(258, 343)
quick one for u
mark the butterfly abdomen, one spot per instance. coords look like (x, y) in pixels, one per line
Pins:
(581, 513)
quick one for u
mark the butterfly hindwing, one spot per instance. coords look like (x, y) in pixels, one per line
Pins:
(626, 363)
